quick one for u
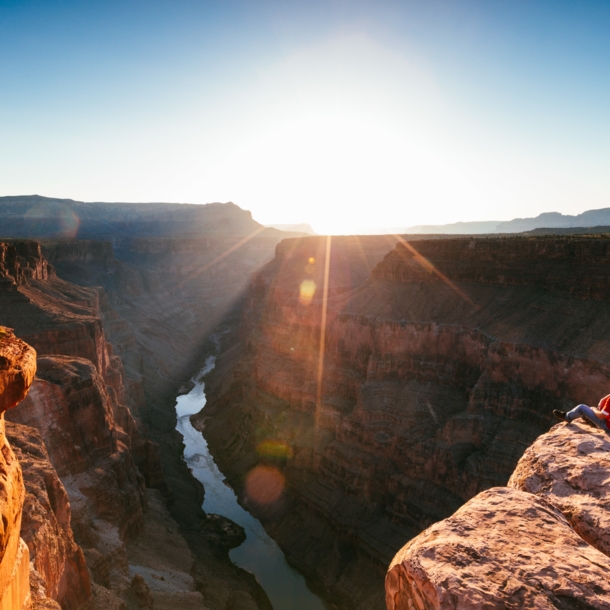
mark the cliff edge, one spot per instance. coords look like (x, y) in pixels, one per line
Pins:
(17, 370)
(541, 542)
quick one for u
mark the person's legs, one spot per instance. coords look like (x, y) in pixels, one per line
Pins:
(587, 413)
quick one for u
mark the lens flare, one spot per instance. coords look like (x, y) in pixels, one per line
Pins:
(311, 260)
(264, 484)
(274, 449)
(306, 291)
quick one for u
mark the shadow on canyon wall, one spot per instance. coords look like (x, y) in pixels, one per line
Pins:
(114, 345)
(439, 370)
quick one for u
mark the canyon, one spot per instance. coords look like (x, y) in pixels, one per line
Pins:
(406, 392)
(116, 506)
(366, 389)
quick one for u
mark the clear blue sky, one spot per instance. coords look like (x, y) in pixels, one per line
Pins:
(343, 114)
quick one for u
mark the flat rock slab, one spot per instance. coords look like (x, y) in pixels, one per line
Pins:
(505, 548)
(570, 467)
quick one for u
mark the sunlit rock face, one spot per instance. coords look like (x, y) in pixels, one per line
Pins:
(438, 371)
(17, 370)
(70, 407)
(541, 542)
(569, 467)
(503, 549)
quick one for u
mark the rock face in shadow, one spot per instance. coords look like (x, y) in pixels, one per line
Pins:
(541, 542)
(35, 216)
(70, 407)
(59, 563)
(17, 370)
(99, 405)
(437, 372)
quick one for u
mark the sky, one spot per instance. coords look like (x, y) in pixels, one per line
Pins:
(344, 114)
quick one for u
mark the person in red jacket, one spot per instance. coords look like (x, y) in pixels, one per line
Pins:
(599, 416)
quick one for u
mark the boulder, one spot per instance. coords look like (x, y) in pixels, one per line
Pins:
(505, 548)
(570, 468)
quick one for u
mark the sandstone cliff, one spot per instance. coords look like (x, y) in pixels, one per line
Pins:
(83, 409)
(17, 370)
(437, 373)
(541, 542)
(59, 570)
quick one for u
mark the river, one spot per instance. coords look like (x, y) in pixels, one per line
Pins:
(259, 553)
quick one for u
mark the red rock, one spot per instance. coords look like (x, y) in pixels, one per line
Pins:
(17, 369)
(569, 467)
(46, 527)
(438, 371)
(503, 549)
(70, 407)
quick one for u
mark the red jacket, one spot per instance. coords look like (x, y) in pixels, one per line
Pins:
(604, 405)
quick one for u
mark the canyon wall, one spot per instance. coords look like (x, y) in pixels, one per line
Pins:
(396, 399)
(114, 352)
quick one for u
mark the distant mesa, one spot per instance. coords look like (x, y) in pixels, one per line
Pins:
(589, 220)
(296, 228)
(34, 216)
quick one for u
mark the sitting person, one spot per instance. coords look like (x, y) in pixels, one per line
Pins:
(598, 417)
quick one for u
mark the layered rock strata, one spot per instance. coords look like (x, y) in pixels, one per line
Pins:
(164, 298)
(541, 542)
(59, 568)
(399, 397)
(17, 370)
(70, 407)
(86, 404)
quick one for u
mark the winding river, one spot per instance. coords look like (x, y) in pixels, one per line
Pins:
(259, 553)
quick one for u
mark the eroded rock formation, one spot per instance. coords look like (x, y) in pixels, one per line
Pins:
(70, 407)
(541, 542)
(503, 549)
(17, 370)
(60, 570)
(432, 378)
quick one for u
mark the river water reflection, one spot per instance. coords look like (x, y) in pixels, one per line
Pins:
(259, 554)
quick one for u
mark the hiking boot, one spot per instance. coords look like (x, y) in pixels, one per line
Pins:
(560, 415)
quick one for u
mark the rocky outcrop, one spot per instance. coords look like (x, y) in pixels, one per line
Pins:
(541, 542)
(569, 468)
(503, 549)
(70, 407)
(20, 261)
(405, 394)
(17, 370)
(60, 569)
